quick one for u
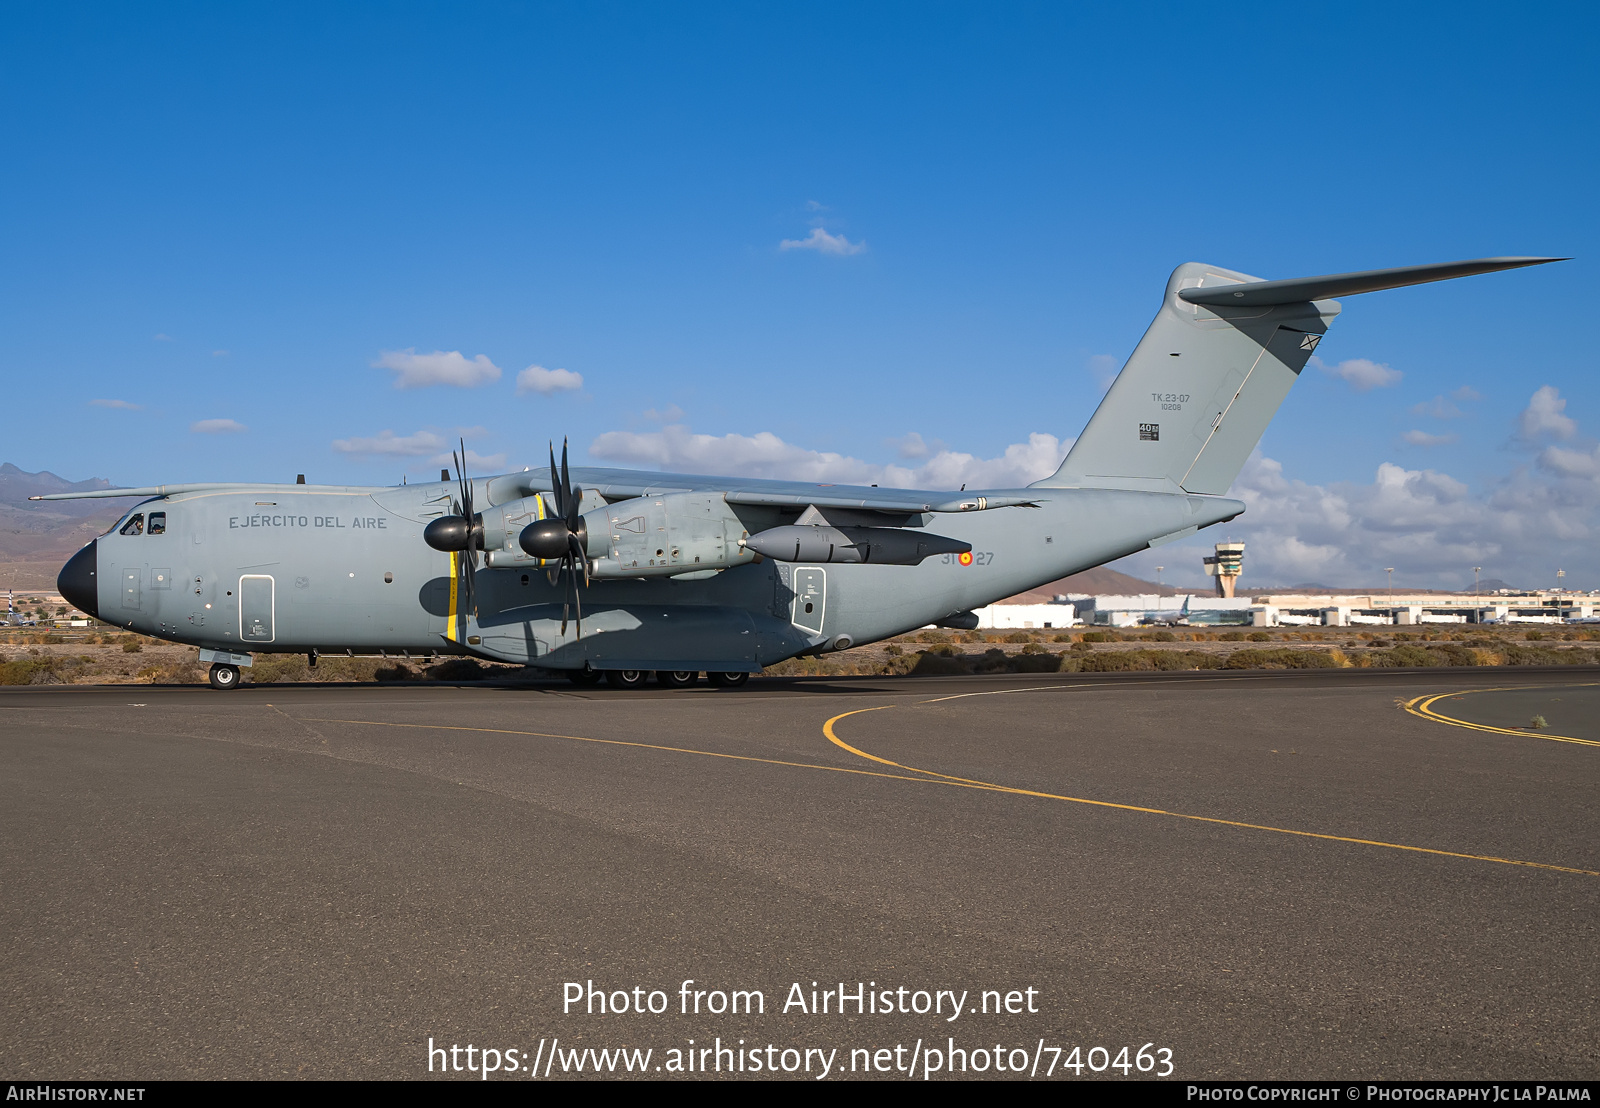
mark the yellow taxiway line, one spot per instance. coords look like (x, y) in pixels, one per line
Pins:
(963, 782)
(1422, 706)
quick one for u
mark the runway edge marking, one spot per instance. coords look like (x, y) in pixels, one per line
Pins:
(989, 786)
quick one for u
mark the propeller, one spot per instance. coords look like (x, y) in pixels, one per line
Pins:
(461, 532)
(561, 537)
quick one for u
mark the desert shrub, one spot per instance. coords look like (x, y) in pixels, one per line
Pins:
(933, 636)
(453, 669)
(1063, 637)
(1081, 646)
(131, 647)
(893, 651)
(1534, 636)
(1099, 636)
(271, 669)
(899, 664)
(1260, 636)
(930, 664)
(1231, 636)
(1041, 662)
(1034, 648)
(1018, 636)
(19, 672)
(1406, 654)
(1278, 659)
(1547, 656)
(1161, 636)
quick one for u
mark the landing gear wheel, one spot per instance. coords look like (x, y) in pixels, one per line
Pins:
(224, 676)
(584, 677)
(626, 678)
(677, 678)
(728, 680)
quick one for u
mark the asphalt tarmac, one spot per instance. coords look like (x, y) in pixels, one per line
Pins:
(1286, 875)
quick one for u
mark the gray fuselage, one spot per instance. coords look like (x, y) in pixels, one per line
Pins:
(296, 569)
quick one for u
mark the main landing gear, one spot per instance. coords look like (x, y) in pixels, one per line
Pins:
(666, 678)
(224, 676)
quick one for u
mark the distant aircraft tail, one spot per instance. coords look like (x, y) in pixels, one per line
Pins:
(1210, 373)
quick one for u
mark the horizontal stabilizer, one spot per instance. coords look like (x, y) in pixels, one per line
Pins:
(1298, 290)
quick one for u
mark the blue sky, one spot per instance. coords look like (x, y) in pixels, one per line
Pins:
(253, 213)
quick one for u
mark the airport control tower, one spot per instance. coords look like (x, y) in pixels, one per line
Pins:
(1225, 566)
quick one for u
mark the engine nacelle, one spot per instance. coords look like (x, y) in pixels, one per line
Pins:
(666, 536)
(894, 546)
(648, 536)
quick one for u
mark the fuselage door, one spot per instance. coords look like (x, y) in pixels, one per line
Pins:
(810, 598)
(256, 608)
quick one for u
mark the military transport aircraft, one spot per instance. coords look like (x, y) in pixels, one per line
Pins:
(620, 573)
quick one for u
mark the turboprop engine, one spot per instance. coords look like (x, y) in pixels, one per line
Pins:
(686, 534)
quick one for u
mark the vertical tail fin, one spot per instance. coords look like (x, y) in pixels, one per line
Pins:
(1210, 373)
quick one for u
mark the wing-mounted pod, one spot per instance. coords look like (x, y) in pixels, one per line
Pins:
(885, 546)
(854, 537)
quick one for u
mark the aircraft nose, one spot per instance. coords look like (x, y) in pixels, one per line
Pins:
(79, 582)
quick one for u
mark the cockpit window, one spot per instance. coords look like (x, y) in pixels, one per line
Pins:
(134, 526)
(158, 523)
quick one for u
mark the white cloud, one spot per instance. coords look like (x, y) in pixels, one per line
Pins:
(1466, 393)
(1438, 408)
(546, 382)
(813, 206)
(1361, 374)
(219, 353)
(823, 243)
(1545, 415)
(476, 463)
(911, 446)
(124, 405)
(1571, 463)
(670, 414)
(416, 371)
(1431, 527)
(162, 338)
(1104, 369)
(766, 455)
(390, 445)
(217, 426)
(1422, 438)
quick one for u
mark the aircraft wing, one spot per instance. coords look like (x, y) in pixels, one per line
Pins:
(616, 484)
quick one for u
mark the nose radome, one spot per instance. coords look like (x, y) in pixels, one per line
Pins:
(79, 582)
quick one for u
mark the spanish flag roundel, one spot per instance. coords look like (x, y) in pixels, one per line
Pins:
(966, 559)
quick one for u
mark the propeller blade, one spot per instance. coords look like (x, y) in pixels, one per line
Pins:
(564, 611)
(579, 557)
(566, 483)
(577, 602)
(555, 486)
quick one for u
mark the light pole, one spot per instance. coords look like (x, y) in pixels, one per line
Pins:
(1477, 597)
(1158, 579)
(1390, 571)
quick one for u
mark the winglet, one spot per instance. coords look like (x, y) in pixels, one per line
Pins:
(1297, 290)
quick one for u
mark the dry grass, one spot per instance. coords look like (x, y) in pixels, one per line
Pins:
(106, 656)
